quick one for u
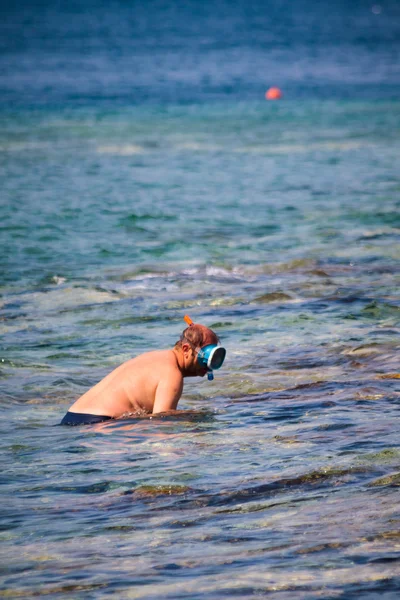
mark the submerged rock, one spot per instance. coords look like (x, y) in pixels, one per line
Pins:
(391, 480)
(151, 491)
(273, 297)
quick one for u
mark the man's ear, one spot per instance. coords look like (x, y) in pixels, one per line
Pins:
(186, 347)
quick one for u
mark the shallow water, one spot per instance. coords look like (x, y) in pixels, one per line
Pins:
(276, 224)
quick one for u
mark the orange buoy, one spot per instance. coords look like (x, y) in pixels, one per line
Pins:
(274, 93)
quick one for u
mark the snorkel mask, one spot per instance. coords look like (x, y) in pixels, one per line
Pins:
(211, 356)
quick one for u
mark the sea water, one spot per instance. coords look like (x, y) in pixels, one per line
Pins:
(144, 176)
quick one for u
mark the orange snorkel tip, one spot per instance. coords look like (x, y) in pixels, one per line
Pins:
(188, 320)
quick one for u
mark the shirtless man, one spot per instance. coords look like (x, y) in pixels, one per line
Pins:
(152, 382)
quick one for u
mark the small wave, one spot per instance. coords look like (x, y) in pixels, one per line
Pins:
(313, 480)
(224, 274)
(301, 148)
(209, 271)
(379, 233)
(273, 148)
(66, 298)
(95, 488)
(24, 146)
(124, 150)
(237, 272)
(199, 146)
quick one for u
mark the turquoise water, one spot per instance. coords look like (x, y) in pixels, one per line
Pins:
(144, 177)
(277, 225)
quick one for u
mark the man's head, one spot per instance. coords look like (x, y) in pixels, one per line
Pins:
(200, 346)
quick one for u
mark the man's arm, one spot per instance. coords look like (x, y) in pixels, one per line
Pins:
(168, 393)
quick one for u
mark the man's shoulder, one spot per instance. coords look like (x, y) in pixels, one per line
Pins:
(164, 356)
(159, 361)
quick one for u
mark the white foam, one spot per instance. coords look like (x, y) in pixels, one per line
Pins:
(125, 150)
(58, 280)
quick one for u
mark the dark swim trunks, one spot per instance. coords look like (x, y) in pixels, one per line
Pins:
(72, 418)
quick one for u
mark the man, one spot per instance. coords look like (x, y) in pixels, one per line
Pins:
(152, 382)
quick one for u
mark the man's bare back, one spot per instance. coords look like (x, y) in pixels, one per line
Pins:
(150, 383)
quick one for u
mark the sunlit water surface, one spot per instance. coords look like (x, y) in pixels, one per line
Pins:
(281, 236)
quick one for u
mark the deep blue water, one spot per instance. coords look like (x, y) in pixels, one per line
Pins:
(144, 176)
(158, 52)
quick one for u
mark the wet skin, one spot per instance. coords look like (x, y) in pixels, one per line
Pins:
(148, 384)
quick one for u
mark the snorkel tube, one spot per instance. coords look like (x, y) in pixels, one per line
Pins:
(188, 320)
(210, 356)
